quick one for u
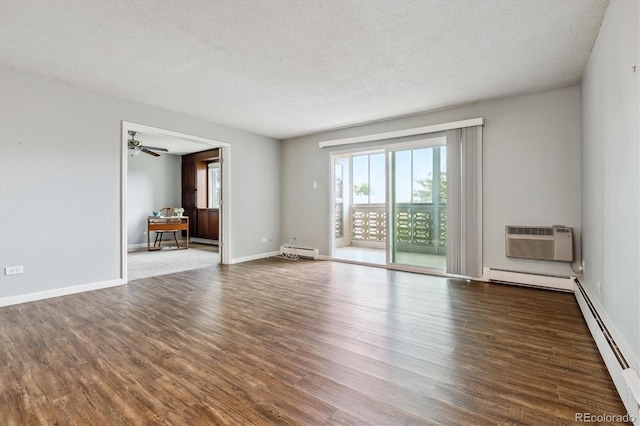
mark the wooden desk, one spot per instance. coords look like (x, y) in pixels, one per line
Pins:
(169, 223)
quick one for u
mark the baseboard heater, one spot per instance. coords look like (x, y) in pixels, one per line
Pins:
(310, 253)
(555, 282)
(625, 379)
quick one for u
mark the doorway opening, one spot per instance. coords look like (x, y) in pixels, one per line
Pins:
(160, 183)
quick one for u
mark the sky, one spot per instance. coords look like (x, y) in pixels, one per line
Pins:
(410, 166)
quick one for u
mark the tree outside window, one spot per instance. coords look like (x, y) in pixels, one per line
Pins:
(369, 179)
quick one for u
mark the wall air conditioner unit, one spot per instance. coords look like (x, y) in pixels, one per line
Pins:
(539, 242)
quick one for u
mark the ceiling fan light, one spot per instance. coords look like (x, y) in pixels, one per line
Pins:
(134, 152)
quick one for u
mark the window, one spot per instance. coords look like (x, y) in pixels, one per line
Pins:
(420, 176)
(369, 179)
(213, 185)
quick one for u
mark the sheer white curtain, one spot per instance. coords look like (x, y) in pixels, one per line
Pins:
(464, 201)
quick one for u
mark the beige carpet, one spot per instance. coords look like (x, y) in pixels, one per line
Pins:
(144, 264)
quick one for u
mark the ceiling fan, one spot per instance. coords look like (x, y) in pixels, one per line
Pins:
(136, 147)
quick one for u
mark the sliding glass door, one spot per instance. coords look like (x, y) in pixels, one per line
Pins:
(389, 206)
(359, 207)
(418, 201)
(391, 202)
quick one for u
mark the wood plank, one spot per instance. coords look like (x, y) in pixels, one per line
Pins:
(273, 341)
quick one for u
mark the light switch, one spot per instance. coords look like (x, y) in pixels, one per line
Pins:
(315, 184)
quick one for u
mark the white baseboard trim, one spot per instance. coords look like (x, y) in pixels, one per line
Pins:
(632, 359)
(528, 279)
(65, 291)
(254, 257)
(624, 377)
(632, 399)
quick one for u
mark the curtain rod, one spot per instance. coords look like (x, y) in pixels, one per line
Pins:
(405, 132)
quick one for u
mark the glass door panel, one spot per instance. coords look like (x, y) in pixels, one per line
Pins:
(418, 207)
(359, 209)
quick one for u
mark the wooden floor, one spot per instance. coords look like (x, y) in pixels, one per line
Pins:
(317, 343)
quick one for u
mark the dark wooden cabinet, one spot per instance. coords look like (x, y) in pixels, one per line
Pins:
(189, 183)
(189, 192)
(188, 173)
(208, 223)
(193, 221)
(203, 221)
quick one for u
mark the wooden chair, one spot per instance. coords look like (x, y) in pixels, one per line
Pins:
(166, 212)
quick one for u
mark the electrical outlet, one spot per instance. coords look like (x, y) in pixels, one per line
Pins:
(598, 287)
(12, 270)
(144, 233)
(582, 267)
(264, 239)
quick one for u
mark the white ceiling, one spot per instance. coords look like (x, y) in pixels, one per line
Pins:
(289, 68)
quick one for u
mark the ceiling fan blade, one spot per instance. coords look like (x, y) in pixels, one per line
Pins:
(146, 151)
(154, 148)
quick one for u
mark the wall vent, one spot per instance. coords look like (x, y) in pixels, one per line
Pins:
(539, 242)
(311, 253)
(534, 279)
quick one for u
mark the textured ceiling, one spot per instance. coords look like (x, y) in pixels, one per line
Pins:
(288, 68)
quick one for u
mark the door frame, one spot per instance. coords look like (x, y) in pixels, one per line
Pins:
(225, 199)
(346, 199)
(427, 140)
(332, 192)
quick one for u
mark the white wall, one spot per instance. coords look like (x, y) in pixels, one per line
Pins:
(60, 153)
(611, 177)
(152, 183)
(531, 171)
